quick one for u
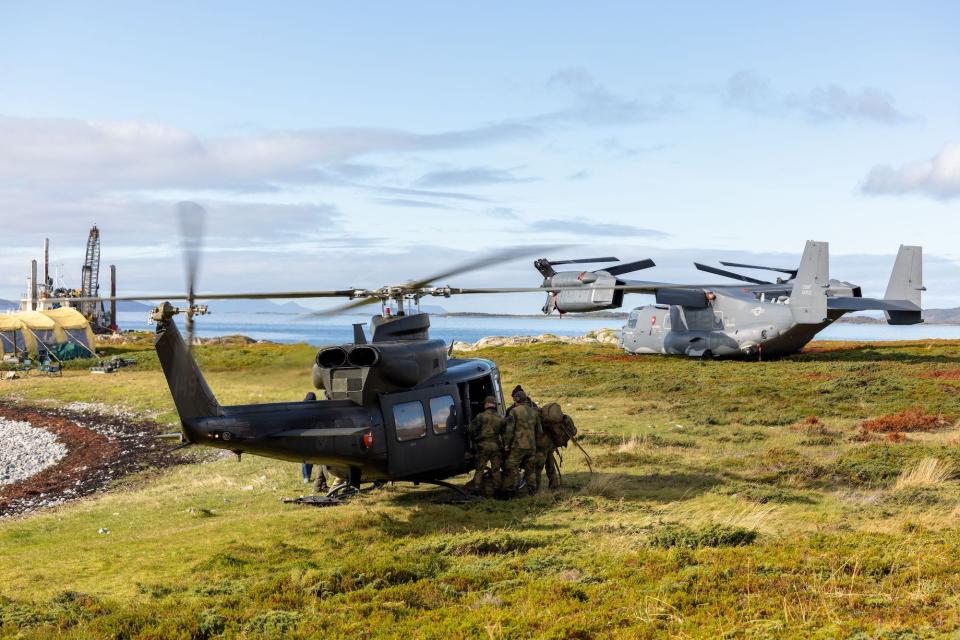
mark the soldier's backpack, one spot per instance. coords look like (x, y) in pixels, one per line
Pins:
(557, 424)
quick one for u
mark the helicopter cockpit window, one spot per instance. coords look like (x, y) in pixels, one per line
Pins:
(410, 421)
(441, 410)
(632, 322)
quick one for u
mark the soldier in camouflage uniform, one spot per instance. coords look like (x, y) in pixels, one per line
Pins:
(520, 441)
(558, 428)
(486, 430)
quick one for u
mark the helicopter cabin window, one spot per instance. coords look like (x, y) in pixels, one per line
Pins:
(410, 421)
(632, 321)
(443, 415)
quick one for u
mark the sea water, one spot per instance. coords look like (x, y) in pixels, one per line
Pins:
(292, 328)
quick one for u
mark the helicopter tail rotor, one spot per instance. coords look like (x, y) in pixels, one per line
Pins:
(192, 221)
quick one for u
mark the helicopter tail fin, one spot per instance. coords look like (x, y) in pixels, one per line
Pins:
(808, 299)
(906, 285)
(191, 394)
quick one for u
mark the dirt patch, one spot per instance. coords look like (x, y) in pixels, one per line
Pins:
(100, 450)
(827, 346)
(948, 374)
(908, 420)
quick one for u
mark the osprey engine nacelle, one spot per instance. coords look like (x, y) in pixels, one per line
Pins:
(583, 291)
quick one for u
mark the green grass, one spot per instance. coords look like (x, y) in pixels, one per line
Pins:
(714, 511)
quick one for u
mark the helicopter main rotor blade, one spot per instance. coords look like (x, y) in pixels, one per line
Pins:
(503, 255)
(339, 310)
(792, 272)
(729, 274)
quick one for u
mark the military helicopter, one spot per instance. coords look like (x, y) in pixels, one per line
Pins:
(758, 319)
(395, 406)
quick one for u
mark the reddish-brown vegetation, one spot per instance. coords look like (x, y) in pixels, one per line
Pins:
(948, 374)
(95, 456)
(906, 421)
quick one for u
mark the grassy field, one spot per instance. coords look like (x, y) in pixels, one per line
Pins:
(736, 499)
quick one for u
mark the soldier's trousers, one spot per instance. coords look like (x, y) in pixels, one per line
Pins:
(488, 458)
(516, 460)
(547, 458)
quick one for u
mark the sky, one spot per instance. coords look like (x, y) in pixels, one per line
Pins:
(359, 144)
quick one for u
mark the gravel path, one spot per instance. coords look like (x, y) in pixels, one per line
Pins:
(99, 448)
(26, 450)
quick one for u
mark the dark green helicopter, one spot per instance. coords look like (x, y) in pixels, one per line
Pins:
(393, 408)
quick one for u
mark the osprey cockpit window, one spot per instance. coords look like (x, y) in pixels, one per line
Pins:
(410, 421)
(632, 322)
(443, 415)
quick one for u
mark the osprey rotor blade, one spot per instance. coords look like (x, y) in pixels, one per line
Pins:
(728, 274)
(630, 267)
(792, 272)
(585, 260)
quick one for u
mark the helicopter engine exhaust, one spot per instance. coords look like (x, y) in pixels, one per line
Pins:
(332, 357)
(363, 356)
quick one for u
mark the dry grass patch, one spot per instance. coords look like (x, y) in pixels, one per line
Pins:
(605, 485)
(908, 420)
(929, 472)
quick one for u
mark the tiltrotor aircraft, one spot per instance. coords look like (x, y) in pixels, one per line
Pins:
(755, 319)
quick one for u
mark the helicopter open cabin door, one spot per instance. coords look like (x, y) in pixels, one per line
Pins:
(424, 434)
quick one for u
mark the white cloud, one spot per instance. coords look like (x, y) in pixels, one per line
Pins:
(64, 153)
(751, 92)
(938, 177)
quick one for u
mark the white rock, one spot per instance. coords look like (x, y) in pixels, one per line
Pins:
(26, 450)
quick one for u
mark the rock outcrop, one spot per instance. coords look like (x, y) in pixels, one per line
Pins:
(601, 336)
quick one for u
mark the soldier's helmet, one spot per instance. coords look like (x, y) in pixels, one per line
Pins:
(490, 401)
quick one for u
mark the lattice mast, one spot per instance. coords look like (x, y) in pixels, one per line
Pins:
(90, 277)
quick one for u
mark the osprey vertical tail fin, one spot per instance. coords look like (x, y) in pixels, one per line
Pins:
(906, 285)
(808, 299)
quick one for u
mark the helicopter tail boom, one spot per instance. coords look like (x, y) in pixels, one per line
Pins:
(191, 394)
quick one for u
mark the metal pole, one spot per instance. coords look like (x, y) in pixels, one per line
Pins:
(46, 267)
(33, 285)
(113, 298)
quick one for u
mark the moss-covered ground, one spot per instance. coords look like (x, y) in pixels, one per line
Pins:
(736, 499)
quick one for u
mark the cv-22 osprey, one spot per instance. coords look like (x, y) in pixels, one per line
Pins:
(754, 319)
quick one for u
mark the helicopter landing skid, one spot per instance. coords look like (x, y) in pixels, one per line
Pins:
(315, 501)
(462, 497)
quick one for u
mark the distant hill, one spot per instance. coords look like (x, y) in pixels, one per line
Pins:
(132, 305)
(942, 316)
(255, 306)
(6, 305)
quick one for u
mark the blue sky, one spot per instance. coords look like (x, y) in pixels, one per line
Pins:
(363, 143)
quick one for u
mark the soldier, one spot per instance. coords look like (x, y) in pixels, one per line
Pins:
(520, 441)
(486, 430)
(558, 428)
